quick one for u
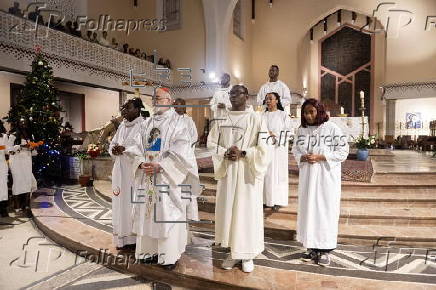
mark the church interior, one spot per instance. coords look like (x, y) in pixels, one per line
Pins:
(372, 64)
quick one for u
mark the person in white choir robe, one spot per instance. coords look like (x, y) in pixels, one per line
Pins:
(164, 161)
(240, 161)
(276, 184)
(274, 85)
(20, 163)
(319, 148)
(122, 179)
(4, 143)
(192, 204)
(220, 102)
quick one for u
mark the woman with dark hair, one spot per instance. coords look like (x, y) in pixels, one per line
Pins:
(122, 179)
(4, 140)
(276, 182)
(20, 162)
(319, 148)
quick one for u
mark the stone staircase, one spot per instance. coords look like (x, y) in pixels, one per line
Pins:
(395, 208)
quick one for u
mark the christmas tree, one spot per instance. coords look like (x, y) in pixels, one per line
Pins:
(40, 107)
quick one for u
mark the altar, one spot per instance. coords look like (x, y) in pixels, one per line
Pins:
(351, 126)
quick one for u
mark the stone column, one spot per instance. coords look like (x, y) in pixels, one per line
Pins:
(390, 117)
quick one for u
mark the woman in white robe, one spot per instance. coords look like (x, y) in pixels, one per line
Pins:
(20, 163)
(4, 143)
(122, 179)
(319, 148)
(276, 183)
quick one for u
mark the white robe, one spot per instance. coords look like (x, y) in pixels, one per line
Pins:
(319, 186)
(278, 87)
(191, 205)
(276, 183)
(220, 96)
(21, 167)
(4, 143)
(122, 183)
(238, 209)
(167, 234)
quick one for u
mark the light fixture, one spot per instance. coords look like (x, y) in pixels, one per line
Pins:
(212, 75)
(305, 91)
(253, 11)
(325, 26)
(353, 17)
(339, 17)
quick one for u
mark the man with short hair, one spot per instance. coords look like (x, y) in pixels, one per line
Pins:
(220, 101)
(240, 161)
(275, 86)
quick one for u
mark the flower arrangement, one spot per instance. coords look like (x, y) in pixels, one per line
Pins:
(93, 150)
(364, 143)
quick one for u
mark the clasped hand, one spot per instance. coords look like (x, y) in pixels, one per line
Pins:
(118, 150)
(150, 168)
(233, 153)
(312, 158)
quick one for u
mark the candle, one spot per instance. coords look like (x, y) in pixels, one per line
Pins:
(362, 95)
(342, 110)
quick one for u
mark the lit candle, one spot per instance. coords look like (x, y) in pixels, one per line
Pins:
(362, 95)
(342, 110)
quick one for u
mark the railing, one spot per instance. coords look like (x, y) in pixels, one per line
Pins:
(20, 37)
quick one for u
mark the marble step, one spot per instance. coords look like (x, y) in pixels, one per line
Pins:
(375, 235)
(398, 198)
(414, 181)
(370, 215)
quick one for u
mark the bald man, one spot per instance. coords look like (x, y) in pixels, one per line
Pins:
(164, 162)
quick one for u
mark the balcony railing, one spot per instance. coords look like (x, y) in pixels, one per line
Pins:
(19, 37)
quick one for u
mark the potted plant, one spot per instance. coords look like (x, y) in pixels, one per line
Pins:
(363, 144)
(83, 179)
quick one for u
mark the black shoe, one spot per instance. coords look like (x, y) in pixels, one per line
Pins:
(264, 206)
(170, 267)
(150, 261)
(309, 255)
(276, 208)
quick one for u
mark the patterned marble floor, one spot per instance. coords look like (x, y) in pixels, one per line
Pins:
(382, 263)
(405, 161)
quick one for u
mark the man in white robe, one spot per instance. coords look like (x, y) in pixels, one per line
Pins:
(4, 142)
(220, 101)
(122, 179)
(166, 162)
(192, 205)
(280, 129)
(319, 148)
(240, 161)
(277, 86)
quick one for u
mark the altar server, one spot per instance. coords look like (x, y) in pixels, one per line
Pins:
(4, 141)
(164, 165)
(280, 129)
(122, 179)
(192, 205)
(274, 85)
(220, 101)
(20, 162)
(319, 148)
(240, 162)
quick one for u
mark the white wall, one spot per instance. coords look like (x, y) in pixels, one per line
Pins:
(100, 104)
(427, 108)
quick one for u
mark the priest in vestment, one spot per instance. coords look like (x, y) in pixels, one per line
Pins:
(120, 149)
(162, 170)
(319, 148)
(220, 101)
(240, 161)
(274, 85)
(280, 129)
